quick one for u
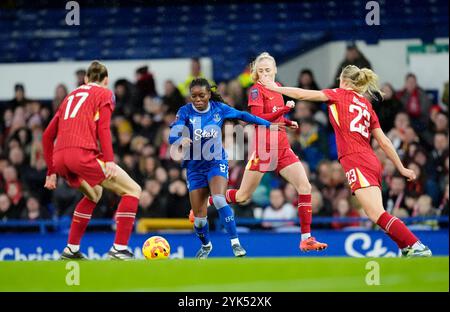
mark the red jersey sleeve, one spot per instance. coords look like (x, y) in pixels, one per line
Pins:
(333, 95)
(48, 139)
(104, 133)
(108, 99)
(255, 97)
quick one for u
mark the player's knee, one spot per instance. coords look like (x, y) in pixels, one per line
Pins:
(304, 188)
(98, 194)
(219, 201)
(136, 190)
(242, 197)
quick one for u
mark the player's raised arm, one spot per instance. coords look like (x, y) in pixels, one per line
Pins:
(387, 146)
(296, 93)
(232, 113)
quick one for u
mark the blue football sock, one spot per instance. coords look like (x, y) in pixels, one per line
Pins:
(227, 218)
(202, 230)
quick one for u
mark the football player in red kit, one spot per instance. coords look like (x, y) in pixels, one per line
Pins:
(354, 121)
(275, 154)
(71, 151)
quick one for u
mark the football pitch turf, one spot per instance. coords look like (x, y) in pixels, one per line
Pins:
(220, 274)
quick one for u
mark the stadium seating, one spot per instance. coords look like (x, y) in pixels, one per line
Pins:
(229, 33)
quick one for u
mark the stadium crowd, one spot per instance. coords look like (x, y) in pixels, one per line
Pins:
(417, 126)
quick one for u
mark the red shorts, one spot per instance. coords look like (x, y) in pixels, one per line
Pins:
(362, 170)
(78, 164)
(274, 160)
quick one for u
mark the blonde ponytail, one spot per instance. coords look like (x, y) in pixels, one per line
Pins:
(361, 80)
(259, 58)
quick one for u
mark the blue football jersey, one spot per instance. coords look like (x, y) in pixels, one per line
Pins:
(204, 128)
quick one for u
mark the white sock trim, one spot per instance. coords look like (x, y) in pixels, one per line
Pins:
(73, 248)
(235, 241)
(120, 247)
(306, 236)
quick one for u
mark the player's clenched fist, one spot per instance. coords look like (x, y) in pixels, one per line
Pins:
(409, 174)
(50, 182)
(290, 104)
(110, 170)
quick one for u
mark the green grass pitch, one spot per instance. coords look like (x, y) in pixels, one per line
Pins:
(220, 274)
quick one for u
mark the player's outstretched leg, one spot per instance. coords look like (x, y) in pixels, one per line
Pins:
(81, 216)
(296, 175)
(124, 186)
(227, 218)
(201, 228)
(372, 203)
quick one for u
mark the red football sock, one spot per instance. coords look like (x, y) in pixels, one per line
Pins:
(80, 220)
(305, 213)
(230, 196)
(125, 215)
(397, 230)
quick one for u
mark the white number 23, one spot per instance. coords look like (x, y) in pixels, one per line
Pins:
(357, 125)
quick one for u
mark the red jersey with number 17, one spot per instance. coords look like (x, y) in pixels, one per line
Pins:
(353, 120)
(77, 116)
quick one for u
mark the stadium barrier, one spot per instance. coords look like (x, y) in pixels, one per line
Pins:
(145, 225)
(185, 245)
(350, 242)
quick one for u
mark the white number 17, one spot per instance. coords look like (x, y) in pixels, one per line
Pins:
(83, 96)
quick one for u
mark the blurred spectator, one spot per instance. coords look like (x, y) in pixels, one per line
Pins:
(177, 200)
(149, 206)
(415, 101)
(424, 208)
(278, 209)
(353, 56)
(439, 152)
(395, 196)
(145, 85)
(60, 95)
(245, 78)
(13, 186)
(445, 96)
(196, 72)
(306, 80)
(7, 211)
(344, 210)
(34, 210)
(172, 98)
(321, 207)
(79, 75)
(123, 97)
(19, 97)
(313, 142)
(387, 109)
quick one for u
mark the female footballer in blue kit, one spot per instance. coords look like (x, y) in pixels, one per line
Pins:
(198, 126)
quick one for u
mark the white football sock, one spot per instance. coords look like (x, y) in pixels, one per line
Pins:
(306, 236)
(120, 247)
(73, 248)
(235, 241)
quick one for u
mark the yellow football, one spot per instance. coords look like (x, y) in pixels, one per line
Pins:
(156, 247)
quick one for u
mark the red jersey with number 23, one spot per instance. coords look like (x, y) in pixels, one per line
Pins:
(353, 120)
(78, 114)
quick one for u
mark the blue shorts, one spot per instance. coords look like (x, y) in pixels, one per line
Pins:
(199, 176)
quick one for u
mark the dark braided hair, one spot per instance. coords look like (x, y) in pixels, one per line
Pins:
(202, 82)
